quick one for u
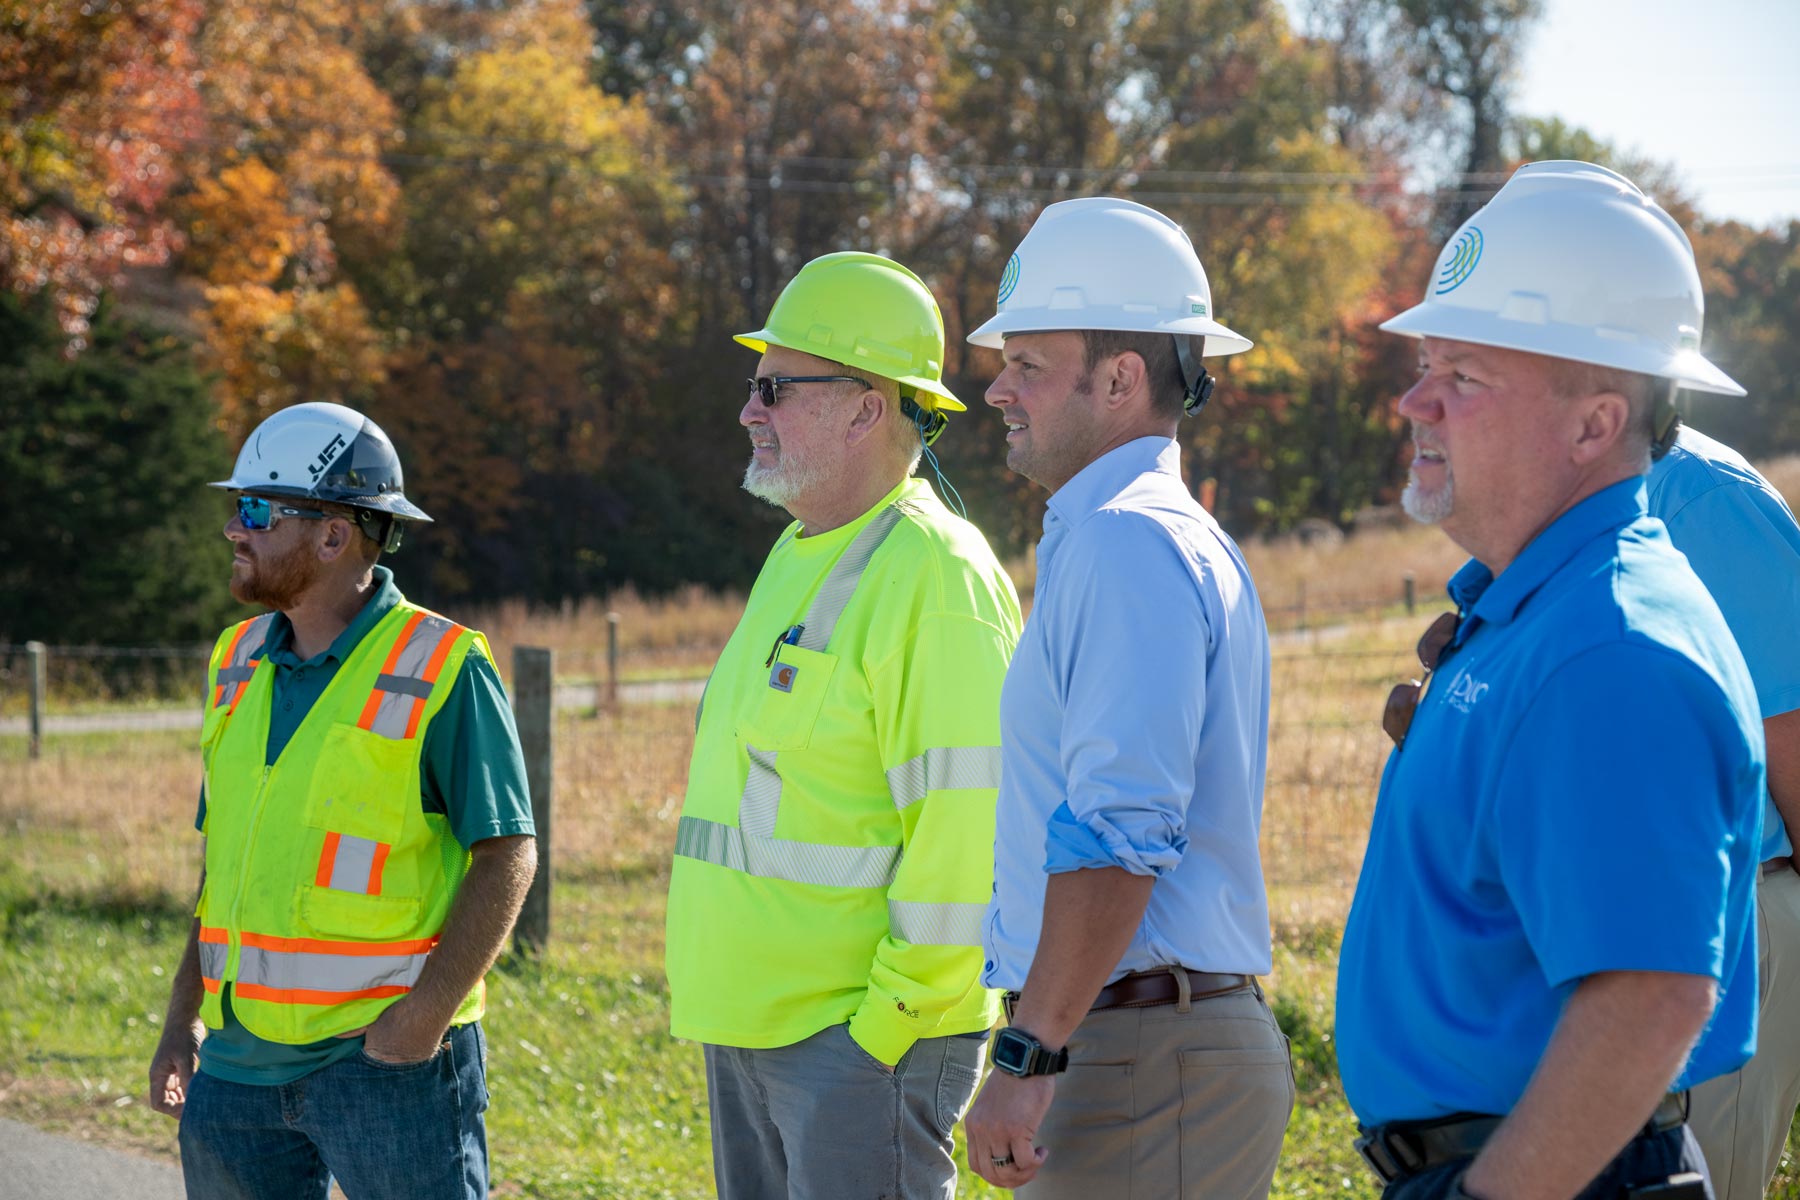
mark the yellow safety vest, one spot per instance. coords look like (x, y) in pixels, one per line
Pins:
(326, 882)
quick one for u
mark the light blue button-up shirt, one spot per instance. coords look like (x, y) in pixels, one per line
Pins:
(1741, 539)
(1134, 723)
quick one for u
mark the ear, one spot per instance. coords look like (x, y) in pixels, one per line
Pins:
(1124, 378)
(871, 406)
(1602, 420)
(338, 536)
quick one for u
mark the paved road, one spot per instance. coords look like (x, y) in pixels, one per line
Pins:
(42, 1166)
(568, 696)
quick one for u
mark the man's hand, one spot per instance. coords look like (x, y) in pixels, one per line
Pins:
(177, 1056)
(1003, 1126)
(397, 1037)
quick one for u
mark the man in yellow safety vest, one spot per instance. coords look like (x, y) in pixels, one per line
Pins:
(368, 844)
(834, 855)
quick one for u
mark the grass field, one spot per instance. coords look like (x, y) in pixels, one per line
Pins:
(591, 1095)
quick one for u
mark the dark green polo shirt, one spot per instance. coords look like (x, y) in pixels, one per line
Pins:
(472, 771)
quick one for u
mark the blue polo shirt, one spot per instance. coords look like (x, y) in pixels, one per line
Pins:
(471, 770)
(1740, 537)
(1581, 791)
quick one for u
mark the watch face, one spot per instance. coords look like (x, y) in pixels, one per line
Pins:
(1011, 1051)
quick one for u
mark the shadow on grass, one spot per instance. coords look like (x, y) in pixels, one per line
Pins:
(124, 903)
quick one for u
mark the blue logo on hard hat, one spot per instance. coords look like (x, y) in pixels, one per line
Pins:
(1009, 279)
(1465, 252)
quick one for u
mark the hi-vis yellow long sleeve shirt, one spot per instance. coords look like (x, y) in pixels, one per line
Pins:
(835, 852)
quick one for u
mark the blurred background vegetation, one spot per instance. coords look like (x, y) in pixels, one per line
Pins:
(519, 236)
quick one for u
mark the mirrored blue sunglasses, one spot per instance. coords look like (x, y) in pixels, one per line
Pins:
(257, 513)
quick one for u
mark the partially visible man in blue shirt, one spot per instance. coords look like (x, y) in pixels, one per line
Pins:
(1129, 918)
(1740, 537)
(1552, 928)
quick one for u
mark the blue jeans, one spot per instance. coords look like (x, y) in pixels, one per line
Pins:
(385, 1132)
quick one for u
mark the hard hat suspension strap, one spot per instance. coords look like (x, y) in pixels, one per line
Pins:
(1665, 420)
(1198, 384)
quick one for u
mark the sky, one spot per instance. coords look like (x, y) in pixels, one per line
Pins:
(1711, 87)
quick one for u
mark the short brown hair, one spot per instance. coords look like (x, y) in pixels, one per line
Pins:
(1574, 380)
(1162, 367)
(367, 547)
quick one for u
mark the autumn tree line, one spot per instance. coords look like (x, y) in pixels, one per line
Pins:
(520, 235)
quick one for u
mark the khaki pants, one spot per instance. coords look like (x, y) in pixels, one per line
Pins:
(1742, 1119)
(1161, 1104)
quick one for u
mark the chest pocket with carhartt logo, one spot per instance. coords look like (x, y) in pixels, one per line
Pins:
(787, 703)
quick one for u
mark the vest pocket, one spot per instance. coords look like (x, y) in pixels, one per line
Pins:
(785, 708)
(327, 913)
(362, 784)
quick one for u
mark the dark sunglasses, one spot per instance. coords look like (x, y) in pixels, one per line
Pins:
(1403, 701)
(257, 513)
(764, 386)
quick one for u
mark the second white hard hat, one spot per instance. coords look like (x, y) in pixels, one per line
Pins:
(1105, 263)
(1572, 261)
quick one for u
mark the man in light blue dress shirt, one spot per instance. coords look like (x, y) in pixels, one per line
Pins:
(1129, 917)
(1741, 539)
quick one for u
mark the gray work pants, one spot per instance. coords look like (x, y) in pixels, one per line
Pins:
(821, 1120)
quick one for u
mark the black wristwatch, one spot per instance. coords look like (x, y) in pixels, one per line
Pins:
(1018, 1053)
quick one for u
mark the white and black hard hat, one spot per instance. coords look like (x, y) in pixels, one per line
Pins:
(330, 453)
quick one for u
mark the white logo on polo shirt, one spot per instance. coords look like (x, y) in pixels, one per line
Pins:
(1465, 691)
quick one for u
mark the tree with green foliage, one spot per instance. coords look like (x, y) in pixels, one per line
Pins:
(111, 535)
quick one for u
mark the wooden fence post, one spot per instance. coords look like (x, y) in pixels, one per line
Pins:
(1407, 588)
(612, 660)
(37, 656)
(533, 683)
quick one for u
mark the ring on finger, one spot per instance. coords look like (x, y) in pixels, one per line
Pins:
(1003, 1162)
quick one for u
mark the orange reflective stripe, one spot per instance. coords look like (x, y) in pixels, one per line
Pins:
(231, 653)
(256, 991)
(211, 985)
(327, 861)
(441, 653)
(219, 936)
(375, 868)
(263, 941)
(412, 722)
(400, 642)
(239, 694)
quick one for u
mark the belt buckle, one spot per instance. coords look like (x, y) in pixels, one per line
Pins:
(1387, 1154)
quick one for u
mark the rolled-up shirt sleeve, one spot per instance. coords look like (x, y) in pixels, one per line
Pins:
(1134, 646)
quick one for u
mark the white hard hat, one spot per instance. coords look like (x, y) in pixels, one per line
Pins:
(1572, 261)
(1106, 263)
(323, 452)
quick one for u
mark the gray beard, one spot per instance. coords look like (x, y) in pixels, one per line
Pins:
(1429, 508)
(782, 483)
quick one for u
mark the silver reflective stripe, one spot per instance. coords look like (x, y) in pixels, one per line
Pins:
(762, 794)
(350, 869)
(291, 969)
(236, 674)
(404, 686)
(936, 924)
(392, 715)
(942, 768)
(834, 594)
(239, 667)
(416, 655)
(796, 862)
(213, 957)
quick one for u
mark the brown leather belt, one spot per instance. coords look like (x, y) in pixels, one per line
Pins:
(1147, 989)
(1404, 1148)
(1772, 865)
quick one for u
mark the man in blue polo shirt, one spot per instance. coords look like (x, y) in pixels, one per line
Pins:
(1552, 928)
(1741, 539)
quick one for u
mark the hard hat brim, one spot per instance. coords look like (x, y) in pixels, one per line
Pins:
(1688, 368)
(1220, 341)
(394, 505)
(762, 339)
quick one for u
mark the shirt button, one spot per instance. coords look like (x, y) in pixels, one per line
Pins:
(990, 965)
(287, 706)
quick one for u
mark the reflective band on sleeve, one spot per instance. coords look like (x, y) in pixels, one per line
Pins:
(796, 862)
(397, 702)
(834, 594)
(936, 924)
(943, 768)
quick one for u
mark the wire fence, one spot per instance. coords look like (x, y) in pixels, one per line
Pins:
(623, 737)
